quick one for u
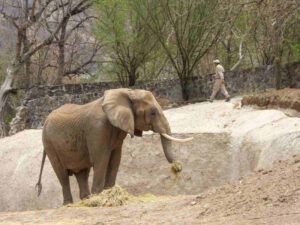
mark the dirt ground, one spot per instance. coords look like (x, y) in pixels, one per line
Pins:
(287, 98)
(264, 197)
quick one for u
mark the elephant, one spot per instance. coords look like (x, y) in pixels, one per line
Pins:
(78, 137)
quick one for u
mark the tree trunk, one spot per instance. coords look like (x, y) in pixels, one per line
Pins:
(61, 53)
(289, 73)
(5, 89)
(184, 82)
(131, 78)
(278, 78)
(26, 77)
(27, 74)
(290, 76)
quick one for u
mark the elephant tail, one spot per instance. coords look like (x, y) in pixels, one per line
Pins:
(38, 186)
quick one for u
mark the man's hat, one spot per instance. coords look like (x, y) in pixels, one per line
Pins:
(216, 61)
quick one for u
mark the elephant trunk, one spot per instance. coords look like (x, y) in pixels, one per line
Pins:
(166, 139)
(167, 145)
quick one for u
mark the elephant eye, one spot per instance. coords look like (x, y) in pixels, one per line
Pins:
(153, 112)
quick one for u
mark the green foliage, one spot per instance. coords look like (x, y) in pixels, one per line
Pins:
(14, 100)
(291, 42)
(4, 61)
(113, 16)
(145, 38)
(115, 72)
(128, 42)
(8, 118)
(295, 46)
(267, 31)
(186, 30)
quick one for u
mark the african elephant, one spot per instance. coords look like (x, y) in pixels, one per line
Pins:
(78, 137)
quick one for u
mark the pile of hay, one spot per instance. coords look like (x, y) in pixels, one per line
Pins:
(118, 196)
(115, 196)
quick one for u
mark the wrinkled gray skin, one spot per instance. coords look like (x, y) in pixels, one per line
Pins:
(78, 137)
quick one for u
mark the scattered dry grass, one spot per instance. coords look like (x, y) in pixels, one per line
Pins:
(115, 196)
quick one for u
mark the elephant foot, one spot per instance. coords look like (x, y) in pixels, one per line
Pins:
(108, 186)
(97, 190)
(69, 201)
(84, 196)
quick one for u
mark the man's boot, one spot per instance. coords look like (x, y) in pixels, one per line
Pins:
(227, 99)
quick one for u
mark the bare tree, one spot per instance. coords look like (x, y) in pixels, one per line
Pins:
(73, 51)
(72, 41)
(81, 55)
(37, 14)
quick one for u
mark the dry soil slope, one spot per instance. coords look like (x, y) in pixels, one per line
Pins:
(265, 197)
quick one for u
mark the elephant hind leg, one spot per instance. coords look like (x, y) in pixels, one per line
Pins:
(65, 183)
(82, 179)
(61, 173)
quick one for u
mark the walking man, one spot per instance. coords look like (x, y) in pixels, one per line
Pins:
(219, 83)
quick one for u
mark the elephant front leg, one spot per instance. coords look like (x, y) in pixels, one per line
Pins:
(113, 168)
(82, 179)
(100, 168)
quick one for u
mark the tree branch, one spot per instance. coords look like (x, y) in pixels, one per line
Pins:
(241, 56)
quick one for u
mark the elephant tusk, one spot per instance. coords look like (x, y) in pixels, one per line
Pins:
(177, 139)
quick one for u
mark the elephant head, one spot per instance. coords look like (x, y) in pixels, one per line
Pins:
(135, 111)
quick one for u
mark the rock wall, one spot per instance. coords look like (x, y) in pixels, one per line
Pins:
(41, 100)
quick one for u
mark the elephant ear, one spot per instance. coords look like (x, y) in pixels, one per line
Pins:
(118, 108)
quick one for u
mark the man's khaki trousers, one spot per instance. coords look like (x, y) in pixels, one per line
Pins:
(219, 85)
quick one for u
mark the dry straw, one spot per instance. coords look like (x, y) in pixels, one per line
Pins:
(115, 196)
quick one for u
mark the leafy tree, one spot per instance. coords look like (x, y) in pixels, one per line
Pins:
(186, 30)
(127, 40)
(274, 16)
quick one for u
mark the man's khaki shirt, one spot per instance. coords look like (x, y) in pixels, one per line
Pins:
(219, 72)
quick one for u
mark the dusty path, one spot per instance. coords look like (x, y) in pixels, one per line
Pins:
(265, 197)
(177, 212)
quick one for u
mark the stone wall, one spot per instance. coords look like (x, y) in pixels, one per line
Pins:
(41, 100)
